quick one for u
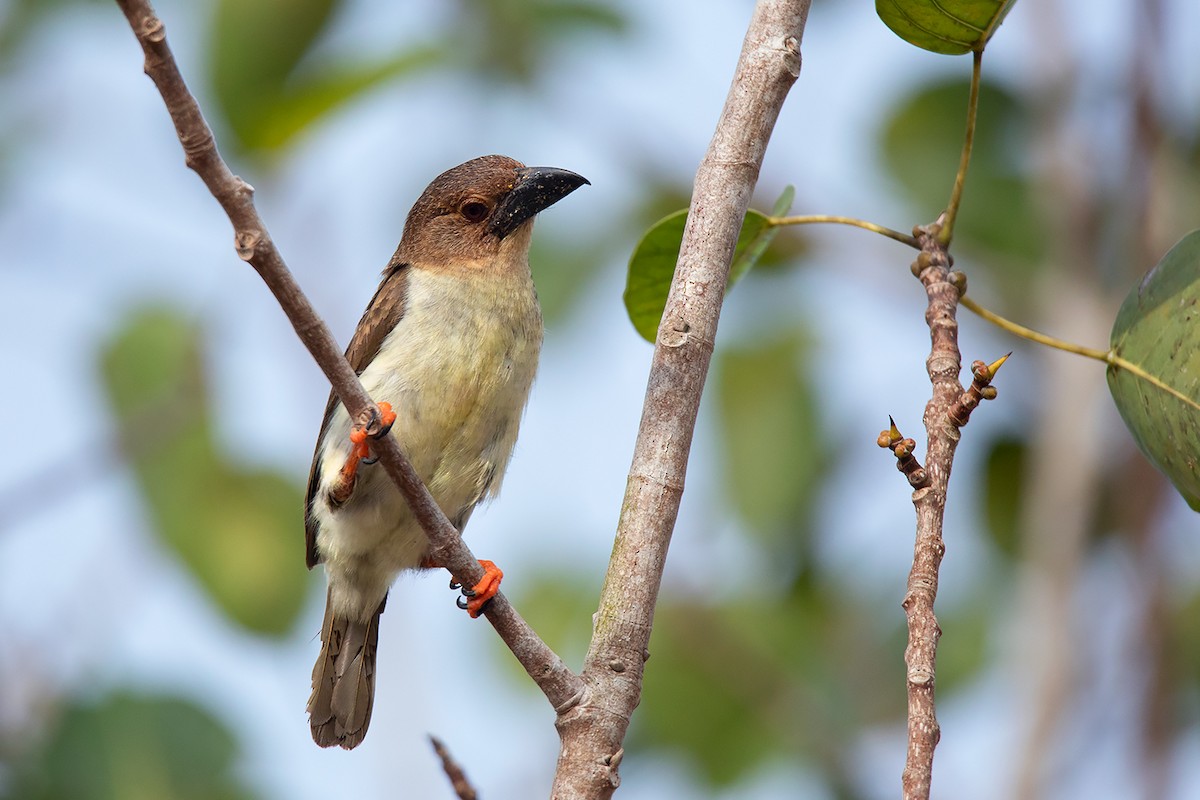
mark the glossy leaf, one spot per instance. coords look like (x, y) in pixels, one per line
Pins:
(1158, 329)
(238, 530)
(131, 746)
(652, 265)
(950, 27)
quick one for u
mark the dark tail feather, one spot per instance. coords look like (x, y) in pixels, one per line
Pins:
(343, 681)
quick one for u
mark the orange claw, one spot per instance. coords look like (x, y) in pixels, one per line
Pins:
(485, 590)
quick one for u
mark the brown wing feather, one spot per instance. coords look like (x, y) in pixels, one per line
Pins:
(383, 312)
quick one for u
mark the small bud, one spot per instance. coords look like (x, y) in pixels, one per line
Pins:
(979, 371)
(885, 439)
(988, 393)
(959, 280)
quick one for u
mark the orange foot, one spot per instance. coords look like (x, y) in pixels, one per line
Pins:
(361, 451)
(475, 598)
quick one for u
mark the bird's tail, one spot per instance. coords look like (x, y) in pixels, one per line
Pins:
(343, 681)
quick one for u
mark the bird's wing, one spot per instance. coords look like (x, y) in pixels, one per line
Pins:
(382, 314)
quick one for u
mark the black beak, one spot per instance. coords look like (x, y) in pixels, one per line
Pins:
(536, 189)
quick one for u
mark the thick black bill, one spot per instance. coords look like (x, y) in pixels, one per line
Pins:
(536, 189)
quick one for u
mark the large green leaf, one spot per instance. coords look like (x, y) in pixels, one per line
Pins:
(652, 265)
(951, 27)
(238, 530)
(131, 747)
(1157, 330)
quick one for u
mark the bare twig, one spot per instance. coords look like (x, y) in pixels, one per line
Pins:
(593, 730)
(902, 449)
(458, 779)
(254, 245)
(944, 363)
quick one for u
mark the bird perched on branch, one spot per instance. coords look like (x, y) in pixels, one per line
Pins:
(447, 347)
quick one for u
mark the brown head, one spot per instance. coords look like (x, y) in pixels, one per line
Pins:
(469, 212)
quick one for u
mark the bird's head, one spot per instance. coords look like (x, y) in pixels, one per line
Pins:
(479, 209)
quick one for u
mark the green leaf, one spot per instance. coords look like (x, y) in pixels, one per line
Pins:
(1158, 330)
(132, 747)
(238, 530)
(951, 27)
(652, 265)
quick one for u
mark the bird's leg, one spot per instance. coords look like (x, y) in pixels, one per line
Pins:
(476, 597)
(361, 450)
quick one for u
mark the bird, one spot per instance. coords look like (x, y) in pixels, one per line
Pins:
(447, 347)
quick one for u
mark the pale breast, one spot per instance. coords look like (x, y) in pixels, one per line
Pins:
(457, 370)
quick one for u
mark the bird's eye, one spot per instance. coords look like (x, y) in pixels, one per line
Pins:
(474, 210)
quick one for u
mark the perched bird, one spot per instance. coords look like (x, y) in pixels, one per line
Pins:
(450, 341)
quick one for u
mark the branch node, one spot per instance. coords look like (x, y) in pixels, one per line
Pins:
(569, 703)
(152, 29)
(246, 243)
(959, 280)
(675, 335)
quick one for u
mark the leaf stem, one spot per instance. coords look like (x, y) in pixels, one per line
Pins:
(1034, 336)
(1109, 357)
(811, 219)
(960, 179)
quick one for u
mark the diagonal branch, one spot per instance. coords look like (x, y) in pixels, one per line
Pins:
(254, 245)
(592, 731)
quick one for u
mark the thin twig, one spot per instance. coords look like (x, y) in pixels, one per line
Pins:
(458, 779)
(254, 245)
(943, 365)
(593, 731)
(816, 219)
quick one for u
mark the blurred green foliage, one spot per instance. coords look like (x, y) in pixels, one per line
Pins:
(131, 747)
(1000, 219)
(270, 83)
(238, 530)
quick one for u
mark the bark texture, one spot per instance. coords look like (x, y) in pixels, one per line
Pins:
(593, 729)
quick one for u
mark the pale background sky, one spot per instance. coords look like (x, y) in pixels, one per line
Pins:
(100, 215)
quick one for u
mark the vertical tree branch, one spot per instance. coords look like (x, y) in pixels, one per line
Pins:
(944, 364)
(592, 731)
(254, 245)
